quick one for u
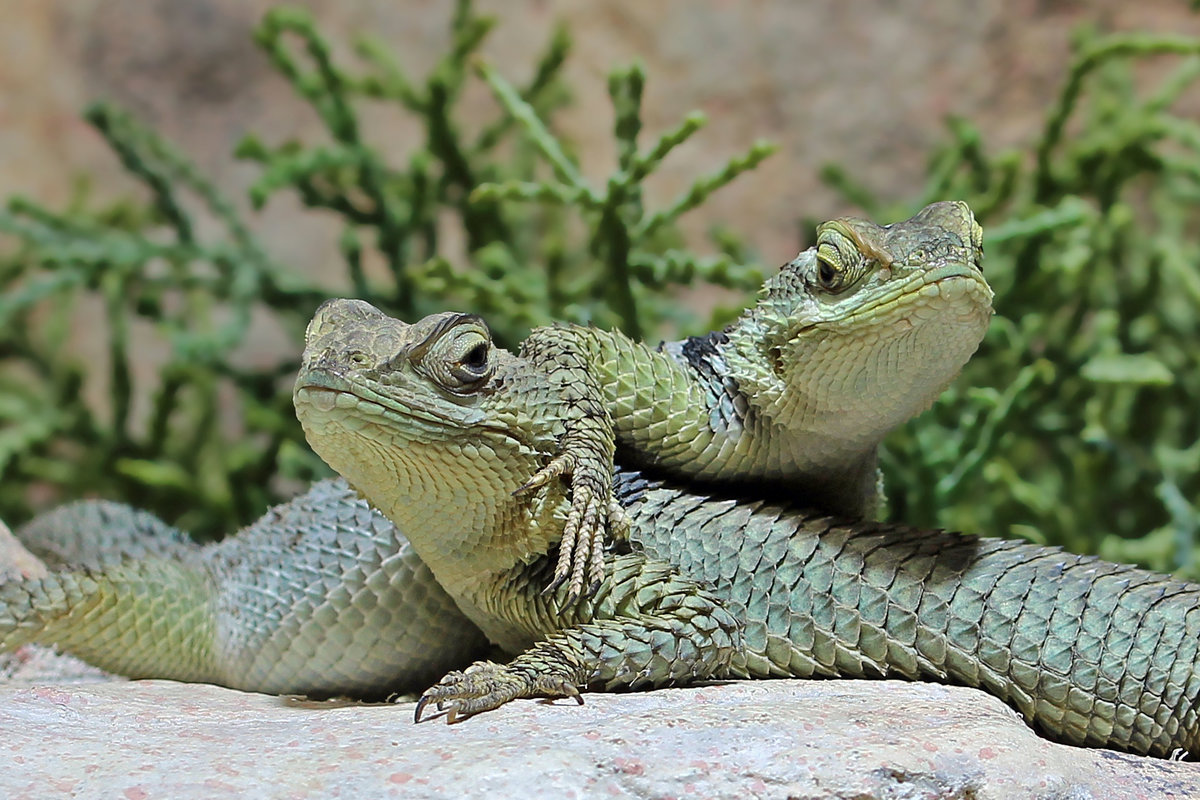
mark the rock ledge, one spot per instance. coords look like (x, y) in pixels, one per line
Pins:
(778, 739)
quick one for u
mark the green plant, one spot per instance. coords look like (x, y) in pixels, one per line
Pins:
(1076, 424)
(219, 442)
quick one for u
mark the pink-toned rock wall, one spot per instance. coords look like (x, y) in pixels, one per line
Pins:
(866, 84)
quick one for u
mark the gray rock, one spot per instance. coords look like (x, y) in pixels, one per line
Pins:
(794, 739)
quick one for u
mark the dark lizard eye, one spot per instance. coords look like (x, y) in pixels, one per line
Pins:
(472, 365)
(841, 257)
(476, 358)
(828, 275)
(457, 354)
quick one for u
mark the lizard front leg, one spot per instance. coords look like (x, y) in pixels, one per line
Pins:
(647, 627)
(585, 456)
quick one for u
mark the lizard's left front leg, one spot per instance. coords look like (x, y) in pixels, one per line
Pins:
(648, 627)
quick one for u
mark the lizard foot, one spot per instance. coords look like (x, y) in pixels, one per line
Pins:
(486, 685)
(593, 510)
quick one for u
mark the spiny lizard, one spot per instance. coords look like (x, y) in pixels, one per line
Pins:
(436, 427)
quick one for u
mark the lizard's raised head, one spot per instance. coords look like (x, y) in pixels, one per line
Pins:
(436, 367)
(859, 270)
(869, 325)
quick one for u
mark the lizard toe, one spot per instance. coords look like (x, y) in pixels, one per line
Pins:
(485, 686)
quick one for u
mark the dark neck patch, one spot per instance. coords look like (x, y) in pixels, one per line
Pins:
(704, 356)
(701, 351)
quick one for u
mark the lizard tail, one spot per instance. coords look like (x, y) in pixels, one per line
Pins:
(141, 619)
(321, 596)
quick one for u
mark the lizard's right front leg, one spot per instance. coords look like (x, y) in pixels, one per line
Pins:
(647, 627)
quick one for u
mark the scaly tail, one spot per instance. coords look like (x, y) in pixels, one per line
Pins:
(97, 533)
(128, 595)
(1089, 652)
(149, 618)
(321, 596)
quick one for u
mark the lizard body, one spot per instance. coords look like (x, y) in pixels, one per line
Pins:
(321, 596)
(264, 609)
(419, 417)
(847, 341)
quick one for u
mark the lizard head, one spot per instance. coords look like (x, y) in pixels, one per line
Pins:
(424, 417)
(438, 366)
(871, 324)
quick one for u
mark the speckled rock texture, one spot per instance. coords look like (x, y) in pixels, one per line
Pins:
(769, 739)
(68, 731)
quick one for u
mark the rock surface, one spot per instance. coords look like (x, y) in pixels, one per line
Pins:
(808, 740)
(793, 739)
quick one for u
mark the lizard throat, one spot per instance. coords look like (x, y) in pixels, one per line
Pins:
(448, 489)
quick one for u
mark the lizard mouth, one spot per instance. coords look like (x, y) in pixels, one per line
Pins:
(320, 398)
(324, 396)
(330, 392)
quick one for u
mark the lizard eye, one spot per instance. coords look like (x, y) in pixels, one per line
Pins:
(828, 276)
(844, 256)
(475, 363)
(457, 354)
(476, 357)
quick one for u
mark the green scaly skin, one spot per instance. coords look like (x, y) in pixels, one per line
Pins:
(322, 596)
(437, 427)
(863, 341)
(850, 339)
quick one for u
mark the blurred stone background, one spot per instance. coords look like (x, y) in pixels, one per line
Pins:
(866, 84)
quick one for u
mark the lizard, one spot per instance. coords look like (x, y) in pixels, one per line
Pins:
(133, 597)
(436, 426)
(322, 596)
(847, 341)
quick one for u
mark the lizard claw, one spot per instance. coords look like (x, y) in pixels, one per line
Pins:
(581, 552)
(485, 685)
(569, 361)
(563, 464)
(593, 511)
(424, 701)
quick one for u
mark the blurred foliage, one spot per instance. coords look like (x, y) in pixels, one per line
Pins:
(1076, 424)
(207, 444)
